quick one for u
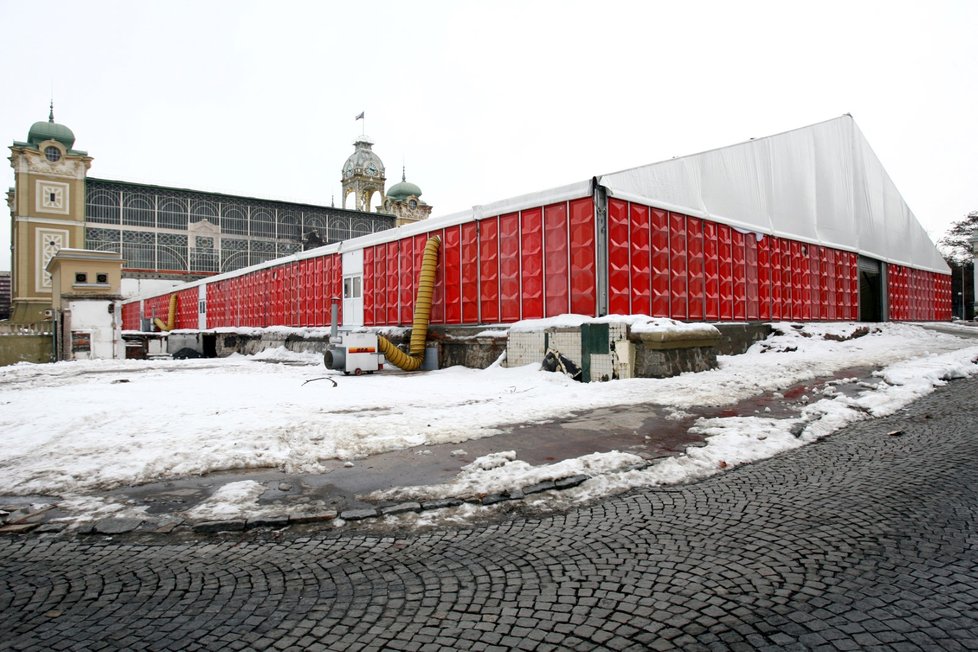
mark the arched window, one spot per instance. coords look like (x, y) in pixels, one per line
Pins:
(339, 229)
(314, 222)
(288, 225)
(173, 213)
(102, 206)
(234, 219)
(262, 223)
(203, 209)
(360, 227)
(138, 209)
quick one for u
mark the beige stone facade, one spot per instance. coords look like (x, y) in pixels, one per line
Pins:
(47, 212)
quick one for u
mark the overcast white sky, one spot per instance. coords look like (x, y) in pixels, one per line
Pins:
(486, 100)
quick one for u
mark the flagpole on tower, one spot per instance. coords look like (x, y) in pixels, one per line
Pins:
(363, 125)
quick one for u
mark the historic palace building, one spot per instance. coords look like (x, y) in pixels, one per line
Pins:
(171, 233)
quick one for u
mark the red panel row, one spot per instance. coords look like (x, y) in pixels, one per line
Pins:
(526, 265)
(918, 295)
(298, 293)
(130, 316)
(667, 264)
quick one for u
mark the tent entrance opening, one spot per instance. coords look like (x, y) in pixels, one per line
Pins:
(870, 290)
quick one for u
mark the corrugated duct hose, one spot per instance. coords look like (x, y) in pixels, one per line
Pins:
(171, 319)
(422, 313)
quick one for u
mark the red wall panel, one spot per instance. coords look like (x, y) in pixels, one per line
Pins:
(619, 264)
(659, 224)
(187, 309)
(379, 286)
(583, 257)
(841, 285)
(368, 287)
(695, 268)
(678, 288)
(453, 274)
(555, 257)
(787, 287)
(405, 282)
(640, 260)
(725, 256)
(750, 269)
(738, 256)
(470, 273)
(130, 316)
(814, 274)
(509, 267)
(531, 258)
(438, 292)
(417, 259)
(489, 269)
(711, 270)
(799, 301)
(336, 281)
(393, 272)
(853, 286)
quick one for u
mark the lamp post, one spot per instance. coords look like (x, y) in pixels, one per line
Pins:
(974, 269)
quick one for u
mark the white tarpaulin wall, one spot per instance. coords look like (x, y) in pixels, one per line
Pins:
(821, 184)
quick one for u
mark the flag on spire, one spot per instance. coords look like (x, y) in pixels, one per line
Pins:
(359, 117)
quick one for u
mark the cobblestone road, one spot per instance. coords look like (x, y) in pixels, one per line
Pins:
(864, 540)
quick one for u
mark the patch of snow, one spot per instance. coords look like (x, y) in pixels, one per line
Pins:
(231, 500)
(177, 418)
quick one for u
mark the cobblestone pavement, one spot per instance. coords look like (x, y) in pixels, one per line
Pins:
(864, 540)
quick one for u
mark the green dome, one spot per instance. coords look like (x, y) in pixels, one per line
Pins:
(50, 130)
(403, 190)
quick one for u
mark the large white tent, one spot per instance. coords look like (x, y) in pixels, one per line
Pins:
(821, 184)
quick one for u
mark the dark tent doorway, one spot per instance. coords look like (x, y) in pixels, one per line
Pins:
(870, 290)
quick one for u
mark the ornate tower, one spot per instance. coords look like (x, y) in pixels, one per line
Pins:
(404, 201)
(47, 212)
(363, 176)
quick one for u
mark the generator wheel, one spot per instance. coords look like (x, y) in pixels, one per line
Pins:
(357, 371)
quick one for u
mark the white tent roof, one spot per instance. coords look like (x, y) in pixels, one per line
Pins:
(821, 184)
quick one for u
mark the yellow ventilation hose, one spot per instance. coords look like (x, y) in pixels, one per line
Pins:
(422, 314)
(172, 319)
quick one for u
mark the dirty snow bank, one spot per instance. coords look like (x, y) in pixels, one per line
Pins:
(111, 423)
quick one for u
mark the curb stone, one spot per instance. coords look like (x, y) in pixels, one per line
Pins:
(117, 525)
(546, 485)
(441, 504)
(358, 514)
(114, 526)
(572, 481)
(313, 518)
(235, 525)
(402, 508)
(267, 521)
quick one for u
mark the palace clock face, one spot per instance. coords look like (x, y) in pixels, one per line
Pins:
(372, 169)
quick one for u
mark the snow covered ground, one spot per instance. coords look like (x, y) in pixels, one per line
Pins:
(71, 429)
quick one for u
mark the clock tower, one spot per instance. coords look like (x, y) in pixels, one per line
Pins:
(363, 177)
(47, 212)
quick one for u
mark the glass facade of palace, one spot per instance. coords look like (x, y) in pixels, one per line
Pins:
(188, 234)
